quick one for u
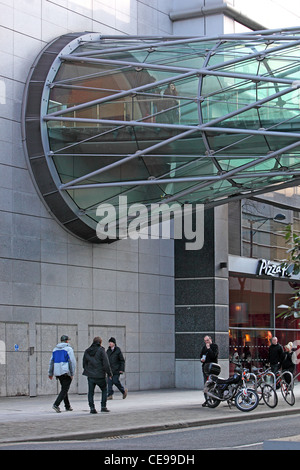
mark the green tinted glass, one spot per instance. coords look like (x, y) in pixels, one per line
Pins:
(187, 120)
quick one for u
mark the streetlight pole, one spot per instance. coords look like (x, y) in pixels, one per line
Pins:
(277, 218)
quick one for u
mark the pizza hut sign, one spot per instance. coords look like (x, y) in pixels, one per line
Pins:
(269, 268)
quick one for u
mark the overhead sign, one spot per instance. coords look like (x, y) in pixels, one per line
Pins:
(240, 265)
(271, 268)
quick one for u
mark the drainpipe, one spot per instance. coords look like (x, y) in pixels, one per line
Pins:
(214, 9)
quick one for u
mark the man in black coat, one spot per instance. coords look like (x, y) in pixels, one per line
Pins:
(209, 353)
(95, 367)
(117, 364)
(275, 355)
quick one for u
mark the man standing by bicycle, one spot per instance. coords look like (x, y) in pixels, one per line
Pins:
(209, 353)
(275, 355)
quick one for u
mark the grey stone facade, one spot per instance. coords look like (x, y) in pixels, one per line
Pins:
(52, 283)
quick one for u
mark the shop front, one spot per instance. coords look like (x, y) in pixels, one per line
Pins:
(257, 290)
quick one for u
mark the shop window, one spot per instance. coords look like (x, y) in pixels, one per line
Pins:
(250, 302)
(253, 320)
(283, 296)
(249, 347)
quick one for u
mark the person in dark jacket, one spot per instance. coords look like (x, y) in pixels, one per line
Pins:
(209, 353)
(117, 364)
(95, 367)
(287, 363)
(275, 355)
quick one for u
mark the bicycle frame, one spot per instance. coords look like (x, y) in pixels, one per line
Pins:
(260, 377)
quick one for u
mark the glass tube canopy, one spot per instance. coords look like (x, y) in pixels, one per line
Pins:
(158, 120)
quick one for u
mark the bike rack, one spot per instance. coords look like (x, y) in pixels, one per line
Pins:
(291, 375)
(270, 373)
(295, 377)
(274, 379)
(255, 378)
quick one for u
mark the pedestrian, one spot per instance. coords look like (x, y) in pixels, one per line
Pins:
(209, 353)
(275, 355)
(62, 366)
(287, 363)
(170, 104)
(95, 367)
(117, 364)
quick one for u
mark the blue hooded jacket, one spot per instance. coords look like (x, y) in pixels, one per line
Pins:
(62, 361)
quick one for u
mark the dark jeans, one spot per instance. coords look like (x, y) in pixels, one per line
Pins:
(92, 382)
(275, 368)
(65, 382)
(115, 380)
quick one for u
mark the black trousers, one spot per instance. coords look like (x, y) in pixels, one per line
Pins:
(65, 382)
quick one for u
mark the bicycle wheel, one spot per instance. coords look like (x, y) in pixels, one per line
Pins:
(259, 392)
(269, 395)
(246, 400)
(287, 393)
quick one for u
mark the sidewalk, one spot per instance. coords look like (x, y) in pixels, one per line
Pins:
(33, 419)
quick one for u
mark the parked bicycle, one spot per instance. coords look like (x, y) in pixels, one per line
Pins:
(286, 386)
(266, 384)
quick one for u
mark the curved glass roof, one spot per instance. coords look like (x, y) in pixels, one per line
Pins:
(192, 120)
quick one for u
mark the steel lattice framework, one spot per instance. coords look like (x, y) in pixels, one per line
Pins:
(192, 120)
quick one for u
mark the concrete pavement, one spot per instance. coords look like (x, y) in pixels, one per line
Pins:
(24, 419)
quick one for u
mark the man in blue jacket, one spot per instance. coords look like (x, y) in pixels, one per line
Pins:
(62, 366)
